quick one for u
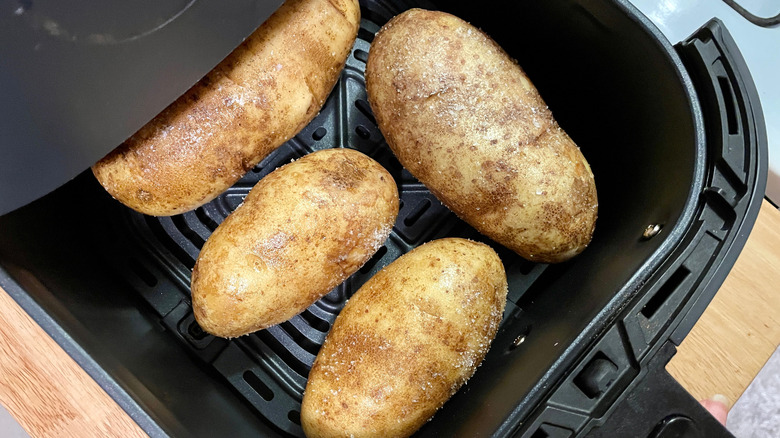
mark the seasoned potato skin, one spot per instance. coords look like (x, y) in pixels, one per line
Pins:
(301, 231)
(464, 119)
(260, 96)
(406, 341)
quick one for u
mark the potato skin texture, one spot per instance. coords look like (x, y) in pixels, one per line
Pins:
(257, 98)
(406, 341)
(301, 231)
(464, 119)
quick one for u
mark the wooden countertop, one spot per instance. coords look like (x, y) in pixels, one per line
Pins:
(50, 395)
(741, 327)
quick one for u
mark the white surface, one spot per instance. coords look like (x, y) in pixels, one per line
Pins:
(757, 413)
(9, 428)
(760, 47)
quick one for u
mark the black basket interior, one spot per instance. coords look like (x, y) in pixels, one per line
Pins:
(119, 281)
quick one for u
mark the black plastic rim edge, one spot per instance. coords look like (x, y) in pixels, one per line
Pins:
(713, 277)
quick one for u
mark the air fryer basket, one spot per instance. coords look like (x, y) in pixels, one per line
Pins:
(674, 137)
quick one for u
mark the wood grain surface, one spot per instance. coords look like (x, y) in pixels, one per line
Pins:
(51, 396)
(741, 327)
(44, 388)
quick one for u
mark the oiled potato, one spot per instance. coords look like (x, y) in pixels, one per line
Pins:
(259, 97)
(465, 120)
(406, 341)
(300, 232)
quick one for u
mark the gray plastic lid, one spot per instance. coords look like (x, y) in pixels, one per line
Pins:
(78, 77)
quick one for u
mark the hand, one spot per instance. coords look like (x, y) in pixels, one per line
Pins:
(718, 406)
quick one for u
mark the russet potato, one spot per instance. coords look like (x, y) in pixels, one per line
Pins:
(261, 95)
(406, 341)
(301, 231)
(466, 121)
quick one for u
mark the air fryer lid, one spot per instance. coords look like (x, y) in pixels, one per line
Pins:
(77, 78)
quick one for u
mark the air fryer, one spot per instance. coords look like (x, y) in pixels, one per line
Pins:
(677, 144)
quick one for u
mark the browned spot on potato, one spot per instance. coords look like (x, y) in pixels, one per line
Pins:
(144, 196)
(347, 175)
